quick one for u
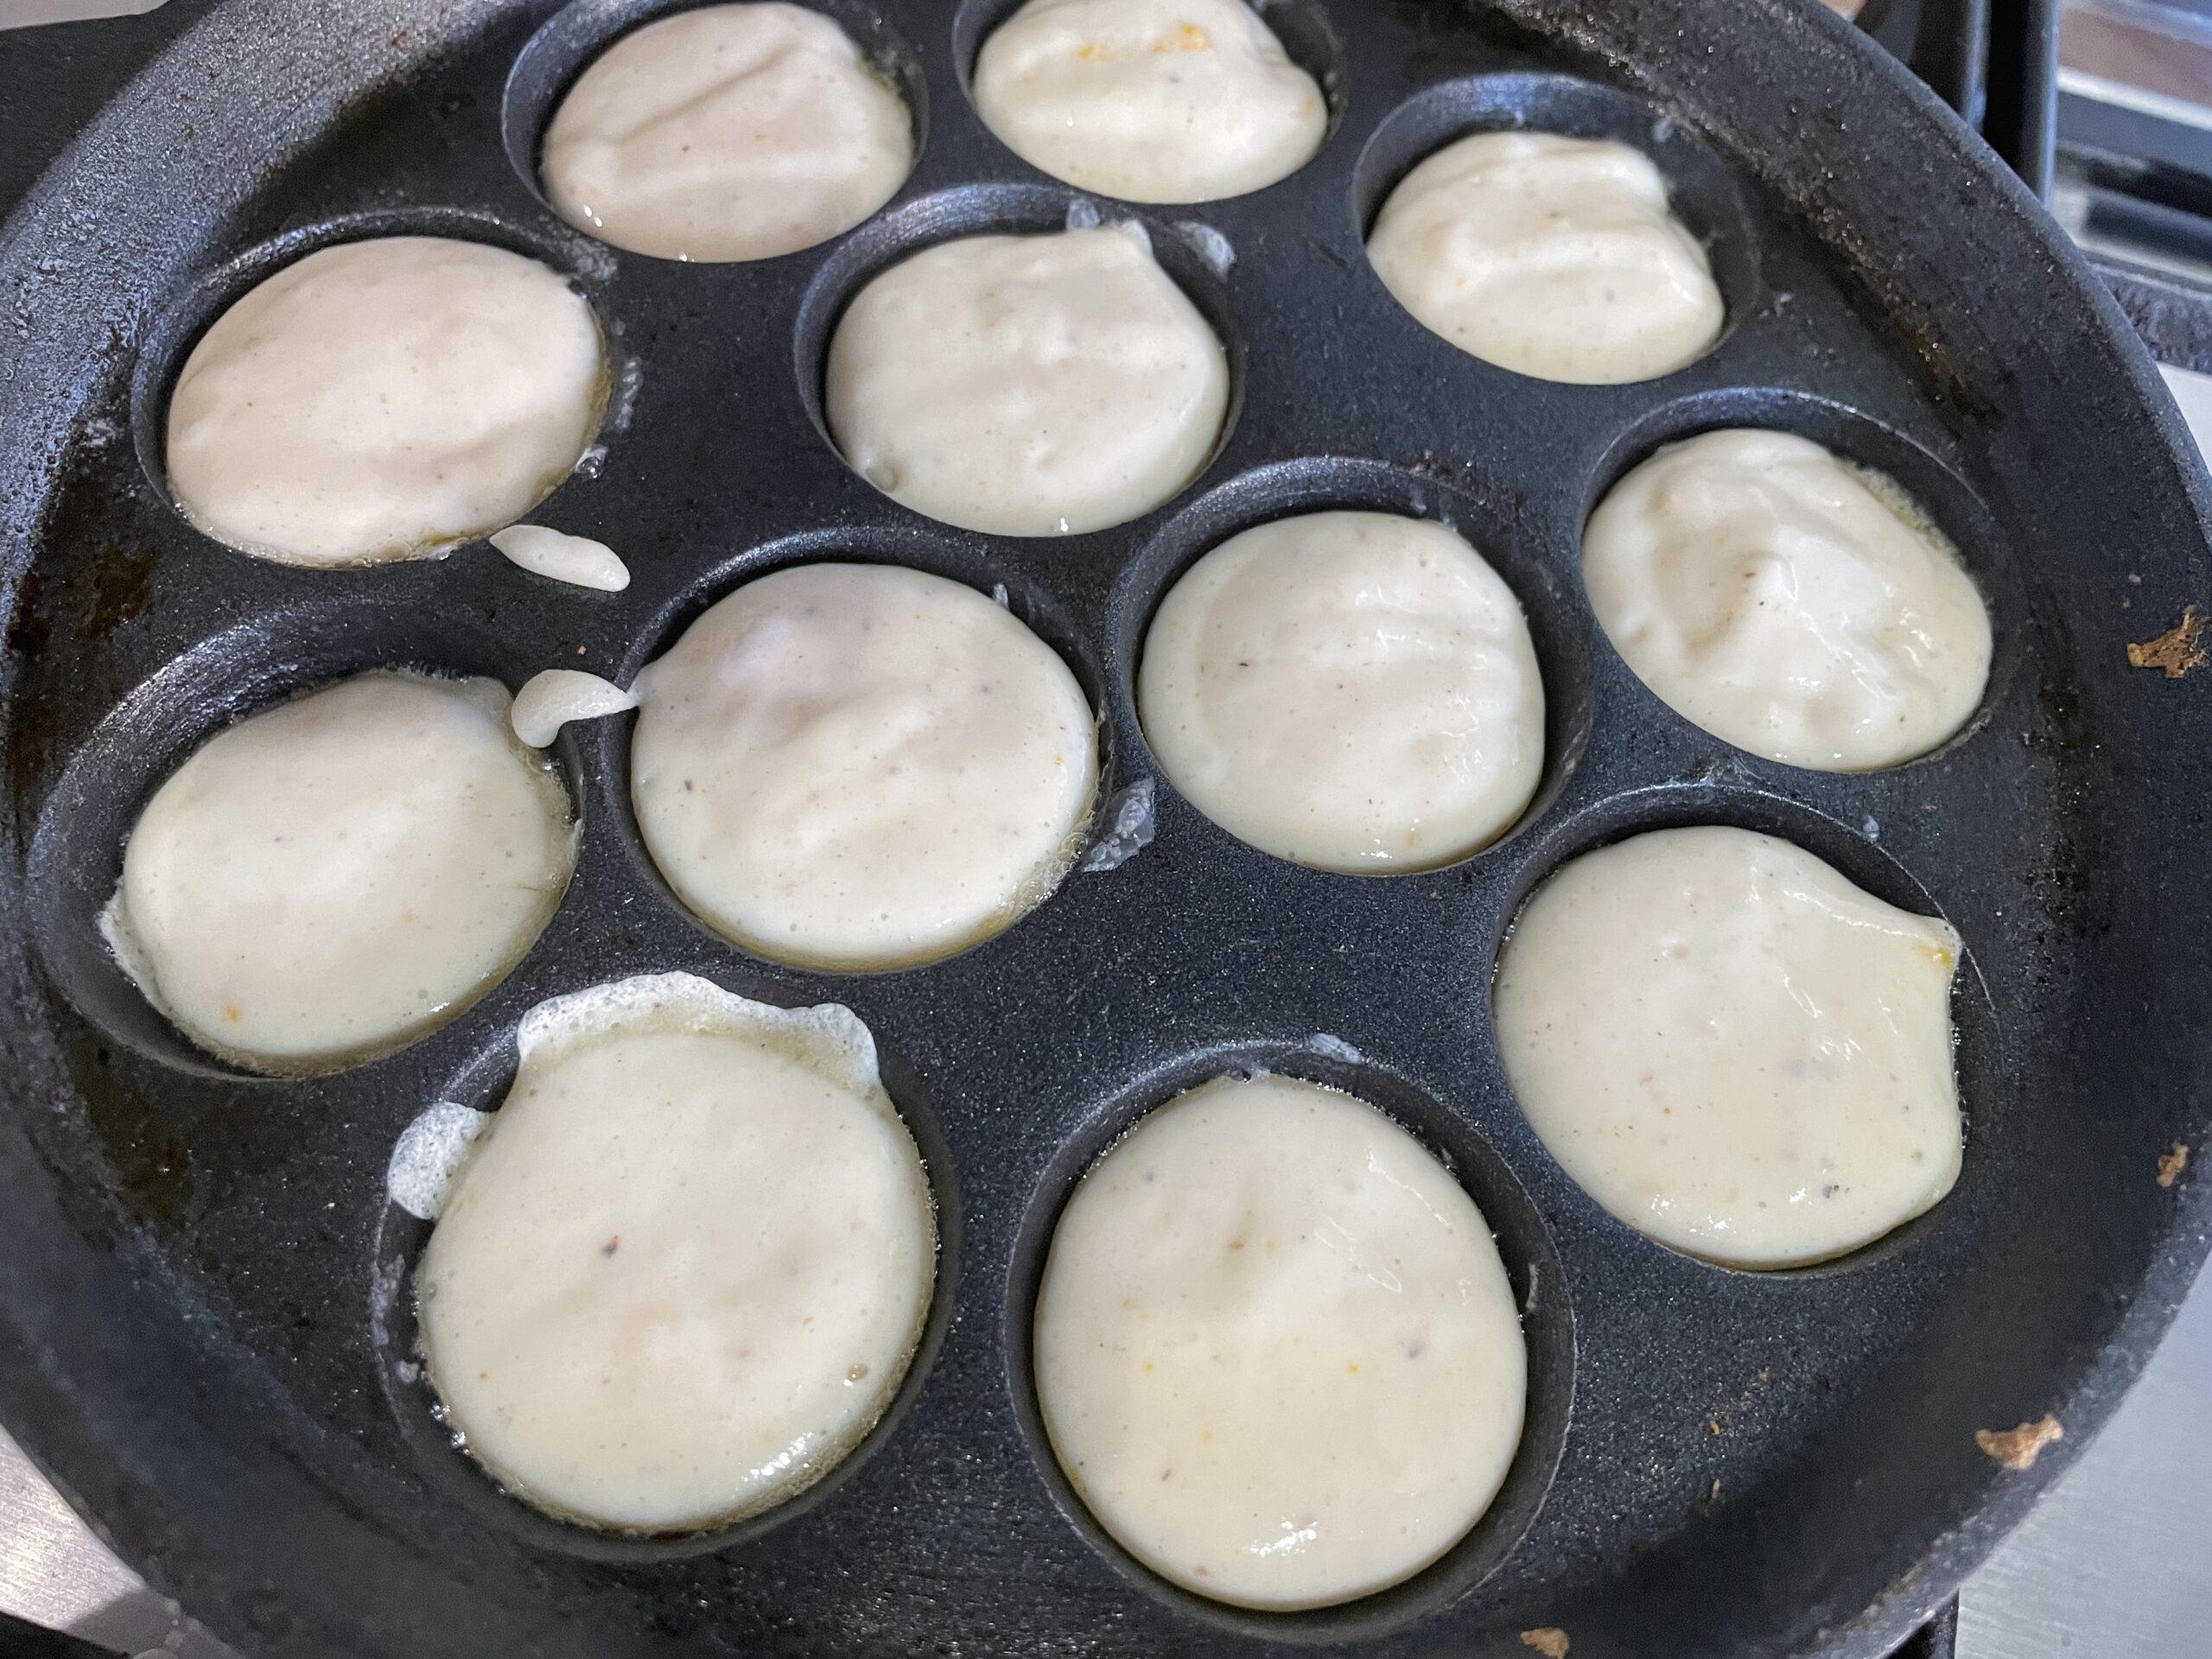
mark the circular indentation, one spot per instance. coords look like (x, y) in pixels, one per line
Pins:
(1303, 27)
(1854, 853)
(76, 857)
(1000, 210)
(1863, 441)
(1484, 514)
(575, 38)
(174, 332)
(480, 1084)
(1532, 1265)
(1702, 191)
(912, 546)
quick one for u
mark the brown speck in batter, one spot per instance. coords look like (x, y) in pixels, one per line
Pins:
(611, 1245)
(2175, 651)
(2018, 1448)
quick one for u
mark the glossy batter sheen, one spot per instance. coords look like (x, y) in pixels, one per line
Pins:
(1732, 1048)
(1276, 1351)
(1555, 258)
(1794, 605)
(1351, 690)
(1149, 100)
(1027, 386)
(384, 399)
(858, 766)
(336, 875)
(685, 1267)
(727, 132)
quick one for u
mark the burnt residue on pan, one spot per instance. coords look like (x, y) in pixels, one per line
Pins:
(1889, 296)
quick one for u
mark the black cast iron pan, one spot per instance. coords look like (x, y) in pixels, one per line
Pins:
(204, 1325)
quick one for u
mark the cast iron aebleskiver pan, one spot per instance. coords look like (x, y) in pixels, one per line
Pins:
(207, 1326)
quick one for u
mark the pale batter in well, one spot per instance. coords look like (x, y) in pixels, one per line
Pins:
(1027, 386)
(683, 1268)
(384, 399)
(860, 766)
(1794, 605)
(1555, 258)
(727, 132)
(1276, 1351)
(1149, 100)
(1731, 1048)
(1352, 690)
(339, 874)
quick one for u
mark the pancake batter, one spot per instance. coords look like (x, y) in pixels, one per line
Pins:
(1790, 603)
(1027, 386)
(384, 399)
(1276, 1351)
(727, 132)
(1554, 257)
(684, 1268)
(1352, 690)
(1731, 1048)
(340, 875)
(860, 766)
(1149, 100)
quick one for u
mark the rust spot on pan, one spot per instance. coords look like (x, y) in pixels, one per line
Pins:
(2018, 1448)
(2171, 1166)
(2177, 650)
(1549, 1640)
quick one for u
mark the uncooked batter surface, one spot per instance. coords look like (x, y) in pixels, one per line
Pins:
(1027, 386)
(860, 766)
(1149, 100)
(1352, 690)
(340, 873)
(1277, 1353)
(1731, 1047)
(684, 1268)
(727, 132)
(384, 399)
(1555, 258)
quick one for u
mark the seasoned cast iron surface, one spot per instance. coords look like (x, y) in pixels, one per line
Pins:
(212, 1336)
